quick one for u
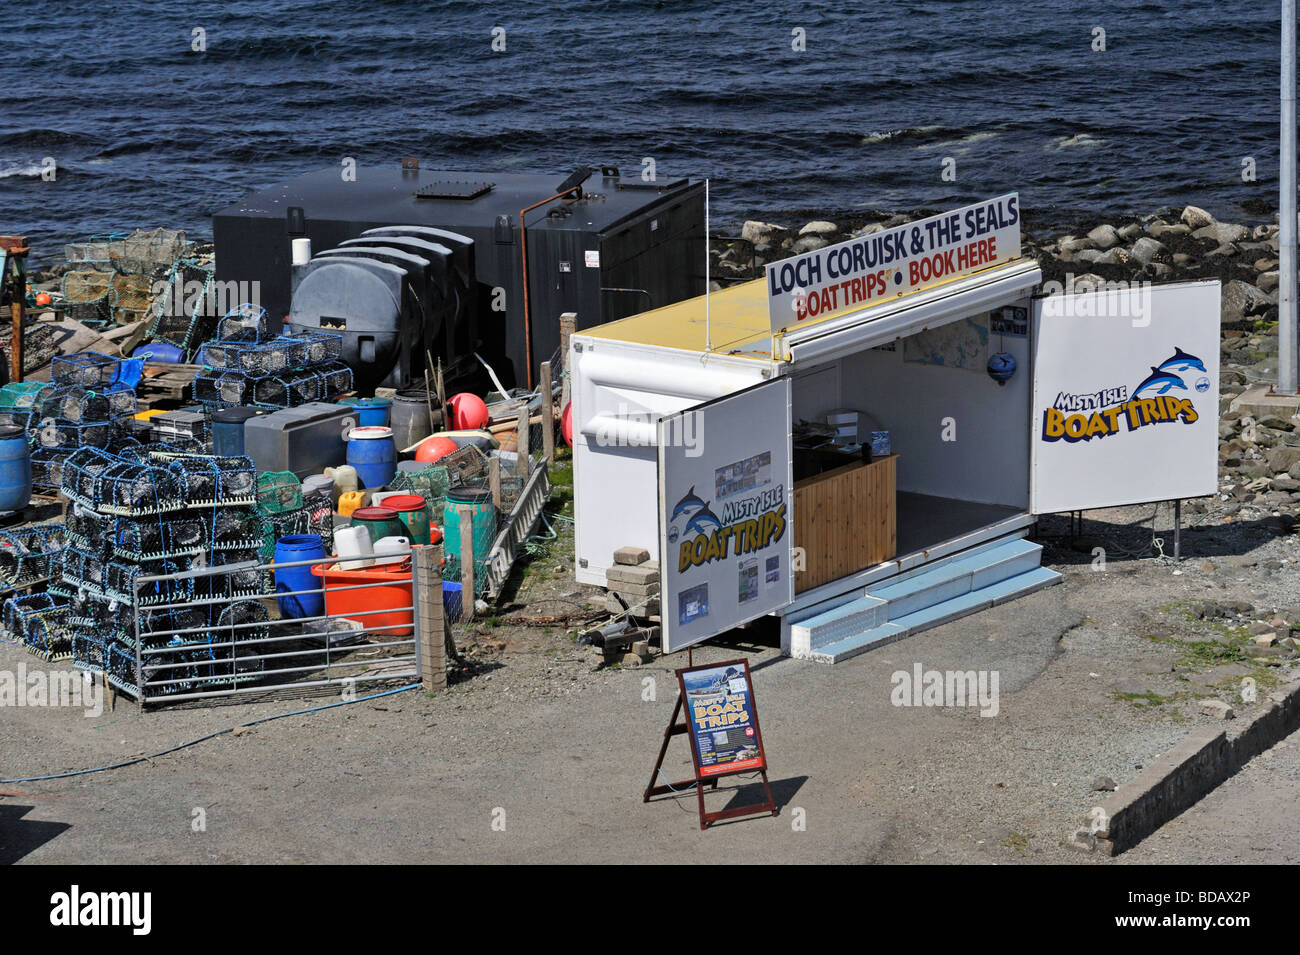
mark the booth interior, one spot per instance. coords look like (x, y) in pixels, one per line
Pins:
(948, 444)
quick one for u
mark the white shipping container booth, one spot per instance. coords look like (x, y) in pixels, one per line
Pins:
(998, 404)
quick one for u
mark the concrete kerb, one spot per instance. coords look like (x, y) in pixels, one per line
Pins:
(1185, 774)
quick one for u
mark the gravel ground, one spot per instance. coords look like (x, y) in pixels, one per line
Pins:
(1095, 679)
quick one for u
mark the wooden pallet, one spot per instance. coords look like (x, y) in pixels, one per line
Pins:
(166, 383)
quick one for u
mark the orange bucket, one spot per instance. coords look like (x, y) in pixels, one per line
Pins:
(378, 604)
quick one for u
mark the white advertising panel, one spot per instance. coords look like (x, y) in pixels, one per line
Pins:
(1126, 396)
(726, 502)
(892, 263)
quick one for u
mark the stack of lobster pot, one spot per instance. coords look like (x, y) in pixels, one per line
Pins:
(143, 528)
(89, 404)
(249, 365)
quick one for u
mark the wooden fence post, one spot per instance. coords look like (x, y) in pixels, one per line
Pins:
(568, 323)
(548, 416)
(427, 570)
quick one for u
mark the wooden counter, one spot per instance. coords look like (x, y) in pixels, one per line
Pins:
(845, 520)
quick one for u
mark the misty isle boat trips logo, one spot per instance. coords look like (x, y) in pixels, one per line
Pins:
(745, 526)
(1162, 397)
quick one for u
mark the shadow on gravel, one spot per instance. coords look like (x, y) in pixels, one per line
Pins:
(1135, 539)
(749, 793)
(18, 838)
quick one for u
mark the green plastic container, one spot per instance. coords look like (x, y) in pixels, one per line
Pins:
(412, 512)
(478, 502)
(380, 522)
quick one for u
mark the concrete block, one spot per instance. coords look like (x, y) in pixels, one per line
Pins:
(1260, 403)
(631, 556)
(635, 590)
(1215, 708)
(640, 574)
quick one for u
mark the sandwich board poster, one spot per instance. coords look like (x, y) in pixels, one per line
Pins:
(722, 720)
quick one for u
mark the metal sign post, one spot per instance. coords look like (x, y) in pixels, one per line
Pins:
(1286, 292)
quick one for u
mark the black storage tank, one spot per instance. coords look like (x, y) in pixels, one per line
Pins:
(623, 247)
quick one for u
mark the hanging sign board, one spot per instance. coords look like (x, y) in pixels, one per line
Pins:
(725, 523)
(886, 265)
(1125, 396)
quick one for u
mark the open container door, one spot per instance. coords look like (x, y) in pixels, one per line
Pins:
(726, 538)
(1126, 396)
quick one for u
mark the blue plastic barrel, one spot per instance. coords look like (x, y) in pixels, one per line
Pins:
(15, 469)
(228, 429)
(373, 453)
(371, 412)
(290, 548)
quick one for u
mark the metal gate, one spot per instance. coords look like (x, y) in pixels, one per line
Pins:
(227, 630)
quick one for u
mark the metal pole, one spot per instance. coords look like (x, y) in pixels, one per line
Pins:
(1286, 292)
(708, 331)
(1178, 530)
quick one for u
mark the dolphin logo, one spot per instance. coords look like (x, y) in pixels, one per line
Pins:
(690, 501)
(704, 521)
(1159, 382)
(1181, 361)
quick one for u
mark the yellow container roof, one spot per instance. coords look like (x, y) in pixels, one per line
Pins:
(737, 321)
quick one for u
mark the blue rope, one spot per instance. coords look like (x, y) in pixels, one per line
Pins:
(201, 739)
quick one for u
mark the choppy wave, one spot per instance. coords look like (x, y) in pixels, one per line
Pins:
(1075, 141)
(146, 131)
(899, 135)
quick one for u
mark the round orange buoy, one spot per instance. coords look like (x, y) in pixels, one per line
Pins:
(44, 298)
(468, 412)
(435, 449)
(566, 424)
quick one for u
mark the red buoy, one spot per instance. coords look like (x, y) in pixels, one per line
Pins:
(435, 449)
(468, 412)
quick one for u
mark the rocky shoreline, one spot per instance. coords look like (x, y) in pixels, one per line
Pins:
(1259, 459)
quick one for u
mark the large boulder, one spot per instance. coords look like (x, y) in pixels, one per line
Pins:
(1240, 299)
(820, 227)
(756, 232)
(1147, 249)
(1221, 232)
(1104, 236)
(807, 243)
(1196, 217)
(1282, 458)
(1158, 229)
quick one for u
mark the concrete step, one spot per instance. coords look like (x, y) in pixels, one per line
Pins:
(976, 600)
(850, 647)
(971, 571)
(933, 615)
(833, 625)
